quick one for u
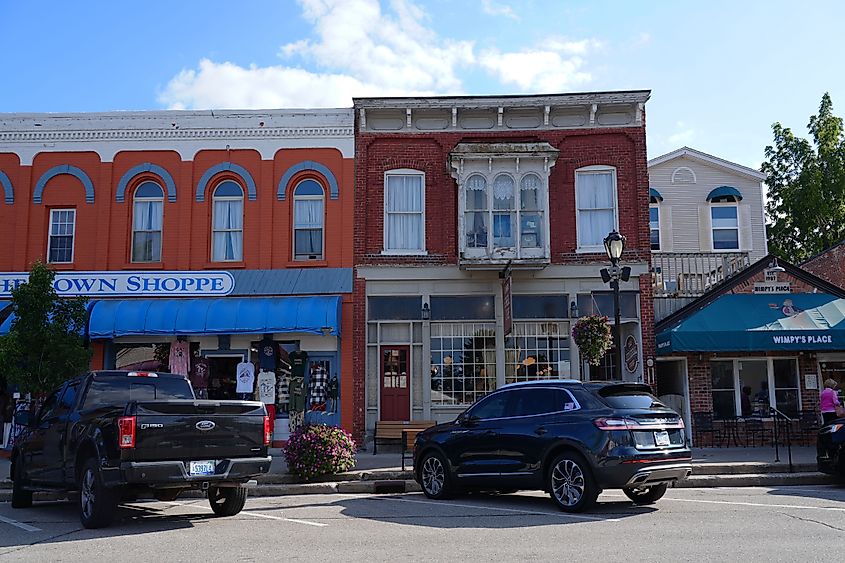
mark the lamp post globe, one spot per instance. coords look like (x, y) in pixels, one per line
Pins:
(614, 246)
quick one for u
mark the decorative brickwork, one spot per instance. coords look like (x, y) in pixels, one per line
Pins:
(829, 265)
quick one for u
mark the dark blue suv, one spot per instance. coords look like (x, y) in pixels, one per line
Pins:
(568, 438)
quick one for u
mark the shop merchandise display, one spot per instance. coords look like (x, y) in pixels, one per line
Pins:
(297, 402)
(245, 379)
(267, 355)
(199, 377)
(267, 387)
(298, 362)
(332, 391)
(283, 390)
(318, 387)
(179, 357)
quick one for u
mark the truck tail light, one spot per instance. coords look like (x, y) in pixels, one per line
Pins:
(126, 432)
(268, 437)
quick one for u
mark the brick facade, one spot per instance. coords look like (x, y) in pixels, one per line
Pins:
(829, 265)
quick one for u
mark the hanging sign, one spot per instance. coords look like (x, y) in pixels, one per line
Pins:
(507, 304)
(129, 284)
(772, 287)
(632, 354)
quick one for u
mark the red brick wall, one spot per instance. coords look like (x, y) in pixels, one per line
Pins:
(623, 148)
(829, 266)
(797, 286)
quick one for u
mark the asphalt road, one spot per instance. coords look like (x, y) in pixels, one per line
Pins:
(730, 524)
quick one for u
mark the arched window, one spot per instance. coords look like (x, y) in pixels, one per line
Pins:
(475, 223)
(504, 212)
(147, 216)
(724, 222)
(308, 197)
(530, 212)
(227, 222)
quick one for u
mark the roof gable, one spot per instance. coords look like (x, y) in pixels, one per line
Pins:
(707, 159)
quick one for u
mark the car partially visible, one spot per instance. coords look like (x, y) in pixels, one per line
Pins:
(565, 437)
(830, 448)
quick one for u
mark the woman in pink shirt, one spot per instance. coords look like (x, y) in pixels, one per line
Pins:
(828, 401)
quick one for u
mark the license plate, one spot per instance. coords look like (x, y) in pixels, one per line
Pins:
(661, 438)
(202, 467)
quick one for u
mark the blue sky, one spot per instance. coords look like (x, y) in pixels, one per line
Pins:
(720, 72)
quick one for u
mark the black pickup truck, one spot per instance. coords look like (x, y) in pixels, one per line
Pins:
(112, 435)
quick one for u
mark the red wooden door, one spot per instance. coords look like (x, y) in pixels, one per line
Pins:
(395, 383)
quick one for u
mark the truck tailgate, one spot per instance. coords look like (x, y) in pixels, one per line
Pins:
(197, 430)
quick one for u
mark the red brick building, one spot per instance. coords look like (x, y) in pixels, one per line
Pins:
(829, 265)
(240, 222)
(451, 193)
(765, 338)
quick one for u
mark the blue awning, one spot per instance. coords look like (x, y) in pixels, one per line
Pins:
(655, 194)
(723, 191)
(230, 315)
(760, 323)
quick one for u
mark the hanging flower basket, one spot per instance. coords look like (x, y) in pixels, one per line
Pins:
(593, 336)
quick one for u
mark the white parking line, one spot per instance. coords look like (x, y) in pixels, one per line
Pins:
(754, 504)
(459, 505)
(21, 525)
(247, 513)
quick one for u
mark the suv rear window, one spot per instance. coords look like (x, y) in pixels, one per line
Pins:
(118, 391)
(632, 400)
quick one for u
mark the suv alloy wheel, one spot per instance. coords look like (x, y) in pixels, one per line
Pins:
(571, 484)
(434, 477)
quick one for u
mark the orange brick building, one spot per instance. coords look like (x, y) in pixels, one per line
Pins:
(134, 209)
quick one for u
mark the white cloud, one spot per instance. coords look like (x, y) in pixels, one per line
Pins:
(360, 49)
(493, 9)
(556, 65)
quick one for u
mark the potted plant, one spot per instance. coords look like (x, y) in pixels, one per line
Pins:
(593, 336)
(318, 449)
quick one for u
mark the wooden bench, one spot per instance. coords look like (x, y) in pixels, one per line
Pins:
(402, 431)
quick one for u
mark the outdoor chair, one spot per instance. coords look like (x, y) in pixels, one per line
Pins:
(756, 430)
(703, 425)
(808, 424)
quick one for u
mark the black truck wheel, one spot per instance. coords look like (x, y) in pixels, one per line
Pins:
(227, 501)
(21, 498)
(97, 503)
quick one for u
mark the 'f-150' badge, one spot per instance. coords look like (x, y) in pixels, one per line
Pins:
(205, 425)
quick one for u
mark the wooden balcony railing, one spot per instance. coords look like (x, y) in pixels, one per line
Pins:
(691, 274)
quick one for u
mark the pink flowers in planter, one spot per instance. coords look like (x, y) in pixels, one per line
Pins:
(318, 449)
(592, 335)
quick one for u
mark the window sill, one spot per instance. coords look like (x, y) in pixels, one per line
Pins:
(61, 265)
(590, 250)
(404, 253)
(143, 266)
(224, 265)
(307, 264)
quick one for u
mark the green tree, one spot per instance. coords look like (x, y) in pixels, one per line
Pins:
(44, 346)
(806, 181)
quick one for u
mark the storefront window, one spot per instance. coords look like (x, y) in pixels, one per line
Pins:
(537, 351)
(463, 362)
(601, 303)
(724, 393)
(462, 307)
(540, 307)
(394, 308)
(786, 386)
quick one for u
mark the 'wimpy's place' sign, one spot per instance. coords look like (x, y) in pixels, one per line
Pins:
(127, 284)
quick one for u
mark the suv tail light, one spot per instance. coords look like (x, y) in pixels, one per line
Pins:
(126, 432)
(615, 423)
(268, 437)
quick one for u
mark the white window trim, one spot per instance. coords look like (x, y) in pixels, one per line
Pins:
(735, 205)
(659, 238)
(134, 229)
(322, 224)
(213, 230)
(72, 240)
(583, 249)
(770, 378)
(403, 252)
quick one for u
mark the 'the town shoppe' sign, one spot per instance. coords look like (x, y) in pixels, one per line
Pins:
(130, 284)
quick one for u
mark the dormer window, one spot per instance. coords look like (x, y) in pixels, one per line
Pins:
(503, 201)
(725, 218)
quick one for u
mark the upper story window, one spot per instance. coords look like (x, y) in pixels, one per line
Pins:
(595, 198)
(654, 222)
(147, 213)
(404, 212)
(62, 230)
(227, 223)
(724, 222)
(308, 199)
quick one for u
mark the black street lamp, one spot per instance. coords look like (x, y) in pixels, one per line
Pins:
(614, 245)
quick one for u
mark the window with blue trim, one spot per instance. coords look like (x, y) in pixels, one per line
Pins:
(227, 223)
(308, 220)
(147, 219)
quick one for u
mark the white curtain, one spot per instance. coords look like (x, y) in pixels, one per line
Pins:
(227, 223)
(404, 213)
(308, 227)
(146, 240)
(595, 207)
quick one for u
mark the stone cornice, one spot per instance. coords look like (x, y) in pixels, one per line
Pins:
(37, 136)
